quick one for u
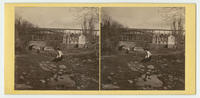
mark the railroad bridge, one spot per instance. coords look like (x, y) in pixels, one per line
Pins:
(64, 36)
(152, 37)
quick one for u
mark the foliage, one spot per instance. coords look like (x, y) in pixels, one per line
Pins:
(111, 31)
(22, 30)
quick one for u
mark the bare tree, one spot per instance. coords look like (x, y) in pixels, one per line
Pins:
(111, 32)
(175, 17)
(89, 19)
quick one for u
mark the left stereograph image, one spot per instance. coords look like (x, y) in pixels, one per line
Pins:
(56, 48)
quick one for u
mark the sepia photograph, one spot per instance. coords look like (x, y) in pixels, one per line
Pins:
(143, 48)
(56, 48)
(100, 49)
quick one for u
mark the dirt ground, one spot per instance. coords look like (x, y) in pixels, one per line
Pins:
(165, 71)
(77, 71)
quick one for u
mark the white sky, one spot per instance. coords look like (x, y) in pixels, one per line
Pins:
(51, 17)
(64, 17)
(143, 17)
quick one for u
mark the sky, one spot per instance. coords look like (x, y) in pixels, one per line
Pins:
(68, 17)
(141, 17)
(51, 17)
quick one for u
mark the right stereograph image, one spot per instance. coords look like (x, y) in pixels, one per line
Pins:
(143, 48)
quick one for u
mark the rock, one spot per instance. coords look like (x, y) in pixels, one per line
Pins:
(82, 86)
(115, 83)
(71, 75)
(24, 73)
(170, 77)
(178, 61)
(27, 82)
(42, 81)
(164, 59)
(109, 77)
(141, 66)
(150, 67)
(165, 88)
(176, 78)
(52, 65)
(77, 64)
(96, 81)
(22, 86)
(153, 81)
(130, 81)
(78, 87)
(65, 80)
(165, 64)
(181, 80)
(110, 86)
(62, 66)
(169, 86)
(21, 77)
(60, 73)
(159, 75)
(111, 73)
(149, 70)
(148, 73)
(84, 61)
(89, 60)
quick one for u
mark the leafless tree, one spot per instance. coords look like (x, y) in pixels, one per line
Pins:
(89, 19)
(175, 16)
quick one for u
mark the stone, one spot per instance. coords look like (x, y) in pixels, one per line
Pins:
(42, 81)
(89, 60)
(165, 64)
(178, 61)
(114, 83)
(150, 67)
(153, 81)
(60, 73)
(109, 77)
(66, 81)
(62, 66)
(22, 86)
(27, 82)
(170, 77)
(96, 81)
(130, 81)
(110, 86)
(111, 73)
(159, 75)
(21, 77)
(165, 88)
(181, 80)
(71, 75)
(24, 73)
(78, 87)
(52, 65)
(169, 86)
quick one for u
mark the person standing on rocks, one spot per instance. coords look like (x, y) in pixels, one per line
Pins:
(147, 59)
(59, 56)
(147, 56)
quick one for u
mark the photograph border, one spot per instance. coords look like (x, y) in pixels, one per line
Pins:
(190, 50)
